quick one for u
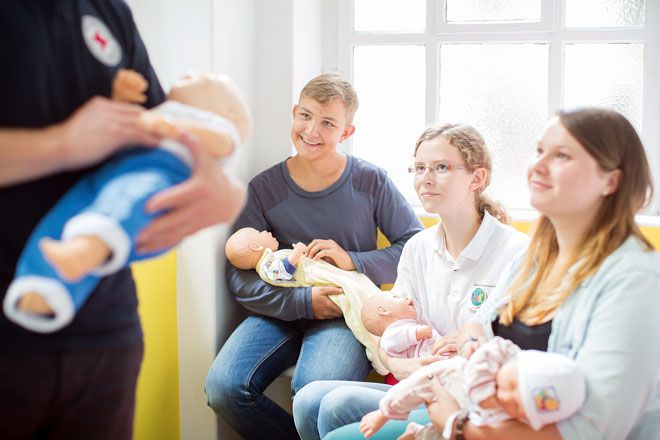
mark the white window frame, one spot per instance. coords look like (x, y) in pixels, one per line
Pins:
(549, 29)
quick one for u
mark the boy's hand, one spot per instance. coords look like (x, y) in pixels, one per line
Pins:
(372, 422)
(331, 252)
(423, 332)
(323, 306)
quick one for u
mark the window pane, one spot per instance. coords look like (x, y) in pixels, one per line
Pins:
(390, 15)
(608, 75)
(493, 10)
(501, 90)
(605, 13)
(391, 84)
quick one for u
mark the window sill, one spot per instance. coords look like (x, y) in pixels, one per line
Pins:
(529, 215)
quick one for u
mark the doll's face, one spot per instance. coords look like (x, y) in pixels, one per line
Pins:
(508, 392)
(399, 308)
(263, 239)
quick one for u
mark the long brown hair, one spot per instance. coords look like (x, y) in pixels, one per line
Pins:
(472, 147)
(613, 142)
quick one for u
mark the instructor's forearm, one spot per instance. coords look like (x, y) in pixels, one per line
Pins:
(27, 154)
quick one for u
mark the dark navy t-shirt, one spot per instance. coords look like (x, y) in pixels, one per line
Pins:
(48, 71)
(351, 211)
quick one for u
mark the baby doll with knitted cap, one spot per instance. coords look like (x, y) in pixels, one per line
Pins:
(394, 318)
(497, 383)
(91, 232)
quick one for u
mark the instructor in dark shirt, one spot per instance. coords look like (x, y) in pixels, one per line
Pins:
(56, 123)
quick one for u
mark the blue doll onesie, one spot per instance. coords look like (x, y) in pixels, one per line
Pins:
(108, 203)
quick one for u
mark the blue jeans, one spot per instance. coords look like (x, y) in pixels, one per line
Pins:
(323, 406)
(390, 430)
(258, 351)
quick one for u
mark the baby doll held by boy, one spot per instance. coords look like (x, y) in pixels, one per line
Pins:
(248, 248)
(91, 232)
(497, 383)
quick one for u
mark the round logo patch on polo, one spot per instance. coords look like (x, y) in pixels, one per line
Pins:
(100, 41)
(478, 296)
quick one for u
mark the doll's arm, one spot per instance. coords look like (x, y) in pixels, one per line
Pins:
(299, 249)
(129, 86)
(397, 339)
(216, 141)
(423, 332)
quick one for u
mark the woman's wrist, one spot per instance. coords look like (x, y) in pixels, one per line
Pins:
(469, 341)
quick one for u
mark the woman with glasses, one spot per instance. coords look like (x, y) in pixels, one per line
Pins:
(448, 270)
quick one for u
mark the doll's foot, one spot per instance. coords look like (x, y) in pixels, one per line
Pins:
(35, 304)
(75, 258)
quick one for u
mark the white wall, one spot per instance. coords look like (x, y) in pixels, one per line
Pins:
(204, 35)
(271, 48)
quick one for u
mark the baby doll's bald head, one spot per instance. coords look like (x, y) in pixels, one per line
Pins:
(246, 246)
(216, 94)
(381, 310)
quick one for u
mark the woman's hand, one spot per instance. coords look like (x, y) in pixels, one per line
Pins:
(402, 368)
(411, 430)
(442, 406)
(445, 346)
(331, 252)
(470, 337)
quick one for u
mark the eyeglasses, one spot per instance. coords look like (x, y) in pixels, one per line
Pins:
(436, 170)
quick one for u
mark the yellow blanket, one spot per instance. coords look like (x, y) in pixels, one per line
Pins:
(356, 287)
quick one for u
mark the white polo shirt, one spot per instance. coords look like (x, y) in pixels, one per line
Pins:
(447, 291)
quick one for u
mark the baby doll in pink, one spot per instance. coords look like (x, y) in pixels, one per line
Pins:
(497, 383)
(394, 319)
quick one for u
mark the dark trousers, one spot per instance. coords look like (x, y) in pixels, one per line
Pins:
(69, 395)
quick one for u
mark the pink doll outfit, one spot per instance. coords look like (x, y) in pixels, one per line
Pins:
(400, 340)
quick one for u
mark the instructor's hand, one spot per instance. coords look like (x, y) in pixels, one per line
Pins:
(99, 128)
(208, 197)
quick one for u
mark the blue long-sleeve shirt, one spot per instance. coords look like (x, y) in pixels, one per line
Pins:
(350, 212)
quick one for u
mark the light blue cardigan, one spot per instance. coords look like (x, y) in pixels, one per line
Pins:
(611, 326)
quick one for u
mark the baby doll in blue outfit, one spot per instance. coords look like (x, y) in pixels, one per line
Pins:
(91, 232)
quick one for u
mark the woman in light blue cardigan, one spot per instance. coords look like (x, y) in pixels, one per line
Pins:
(588, 287)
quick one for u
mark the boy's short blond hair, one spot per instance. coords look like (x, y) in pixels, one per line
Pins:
(328, 86)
